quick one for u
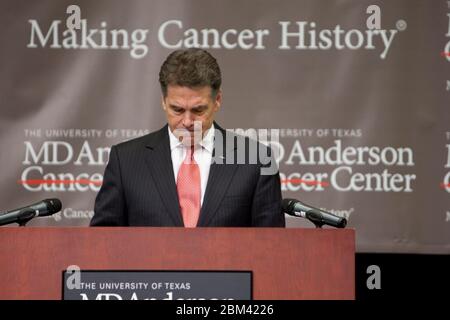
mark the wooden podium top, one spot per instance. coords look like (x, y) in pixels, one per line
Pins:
(286, 263)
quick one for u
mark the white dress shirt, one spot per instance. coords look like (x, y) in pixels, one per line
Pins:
(202, 155)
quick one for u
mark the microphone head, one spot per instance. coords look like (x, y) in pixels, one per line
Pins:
(342, 223)
(53, 206)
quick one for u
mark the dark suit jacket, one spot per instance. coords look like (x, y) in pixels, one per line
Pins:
(139, 189)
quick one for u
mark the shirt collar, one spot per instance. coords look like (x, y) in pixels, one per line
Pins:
(207, 141)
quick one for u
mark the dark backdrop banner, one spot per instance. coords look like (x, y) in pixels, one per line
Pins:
(359, 92)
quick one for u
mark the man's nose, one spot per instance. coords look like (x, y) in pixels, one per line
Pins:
(188, 119)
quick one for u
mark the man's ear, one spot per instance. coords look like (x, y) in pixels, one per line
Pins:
(218, 100)
(163, 103)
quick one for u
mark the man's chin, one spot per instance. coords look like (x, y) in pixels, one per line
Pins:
(188, 137)
(189, 140)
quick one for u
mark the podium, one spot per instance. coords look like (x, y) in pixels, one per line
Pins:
(286, 263)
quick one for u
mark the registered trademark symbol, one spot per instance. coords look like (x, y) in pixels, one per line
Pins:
(401, 25)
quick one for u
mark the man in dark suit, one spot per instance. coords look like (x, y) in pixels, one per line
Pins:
(191, 172)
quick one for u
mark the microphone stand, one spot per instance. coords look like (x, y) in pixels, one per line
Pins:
(315, 217)
(28, 214)
(318, 225)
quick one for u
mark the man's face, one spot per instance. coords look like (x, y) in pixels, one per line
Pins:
(184, 106)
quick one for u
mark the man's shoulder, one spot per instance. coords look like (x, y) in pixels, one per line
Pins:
(148, 140)
(242, 148)
(242, 139)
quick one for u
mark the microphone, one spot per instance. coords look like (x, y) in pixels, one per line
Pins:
(318, 217)
(21, 216)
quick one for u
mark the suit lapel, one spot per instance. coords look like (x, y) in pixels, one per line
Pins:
(220, 176)
(159, 161)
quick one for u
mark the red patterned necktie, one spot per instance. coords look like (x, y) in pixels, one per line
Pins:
(188, 188)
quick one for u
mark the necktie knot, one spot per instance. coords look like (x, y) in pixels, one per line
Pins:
(189, 155)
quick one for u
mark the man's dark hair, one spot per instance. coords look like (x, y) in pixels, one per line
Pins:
(190, 68)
